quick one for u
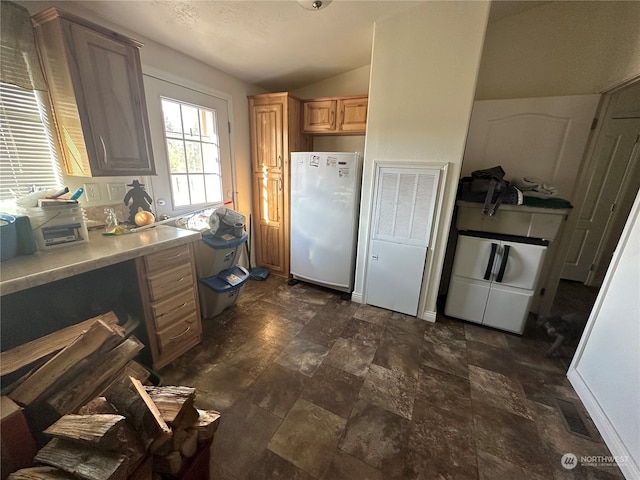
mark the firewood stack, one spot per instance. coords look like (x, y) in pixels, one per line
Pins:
(96, 420)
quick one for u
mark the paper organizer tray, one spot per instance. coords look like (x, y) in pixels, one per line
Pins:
(221, 291)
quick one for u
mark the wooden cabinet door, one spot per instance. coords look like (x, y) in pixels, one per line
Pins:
(111, 103)
(270, 228)
(267, 140)
(319, 116)
(353, 115)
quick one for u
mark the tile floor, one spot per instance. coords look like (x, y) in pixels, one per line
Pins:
(314, 387)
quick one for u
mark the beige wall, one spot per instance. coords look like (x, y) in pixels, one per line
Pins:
(355, 82)
(423, 76)
(178, 66)
(561, 48)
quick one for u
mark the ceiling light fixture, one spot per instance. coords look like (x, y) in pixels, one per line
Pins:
(314, 4)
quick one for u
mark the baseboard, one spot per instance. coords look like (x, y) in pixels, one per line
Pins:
(357, 297)
(629, 468)
(429, 316)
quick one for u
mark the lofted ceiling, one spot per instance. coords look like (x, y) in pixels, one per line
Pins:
(277, 45)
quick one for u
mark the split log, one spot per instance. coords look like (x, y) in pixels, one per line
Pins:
(170, 464)
(41, 473)
(175, 404)
(99, 334)
(132, 401)
(23, 355)
(144, 470)
(135, 370)
(98, 405)
(99, 431)
(84, 462)
(131, 447)
(189, 446)
(93, 375)
(121, 438)
(207, 424)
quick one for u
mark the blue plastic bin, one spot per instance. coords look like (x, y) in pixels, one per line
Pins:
(215, 254)
(221, 291)
(8, 237)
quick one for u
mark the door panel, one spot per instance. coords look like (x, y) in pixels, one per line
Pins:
(614, 161)
(157, 89)
(269, 221)
(467, 299)
(473, 256)
(394, 276)
(523, 264)
(536, 137)
(271, 252)
(268, 134)
(507, 308)
(115, 99)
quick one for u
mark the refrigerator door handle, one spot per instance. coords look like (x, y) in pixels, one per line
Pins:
(487, 272)
(503, 264)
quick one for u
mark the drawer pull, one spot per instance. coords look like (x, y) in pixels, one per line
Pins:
(181, 334)
(177, 255)
(179, 307)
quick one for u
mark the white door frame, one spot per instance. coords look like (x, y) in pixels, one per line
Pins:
(206, 90)
(613, 230)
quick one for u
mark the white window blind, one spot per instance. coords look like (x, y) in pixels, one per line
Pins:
(27, 153)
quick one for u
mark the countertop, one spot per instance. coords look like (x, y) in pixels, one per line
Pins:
(42, 267)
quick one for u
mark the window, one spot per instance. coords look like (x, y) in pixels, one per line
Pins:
(193, 151)
(27, 153)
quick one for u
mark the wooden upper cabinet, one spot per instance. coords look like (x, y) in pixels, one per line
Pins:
(320, 116)
(96, 87)
(336, 115)
(353, 115)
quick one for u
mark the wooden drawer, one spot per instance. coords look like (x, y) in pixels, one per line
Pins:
(167, 259)
(170, 281)
(174, 308)
(178, 334)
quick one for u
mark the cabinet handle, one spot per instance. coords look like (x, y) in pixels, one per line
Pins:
(280, 184)
(179, 254)
(104, 150)
(487, 272)
(181, 334)
(175, 309)
(503, 264)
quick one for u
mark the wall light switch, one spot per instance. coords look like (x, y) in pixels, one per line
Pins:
(117, 191)
(92, 192)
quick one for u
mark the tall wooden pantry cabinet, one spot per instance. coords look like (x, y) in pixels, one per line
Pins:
(275, 121)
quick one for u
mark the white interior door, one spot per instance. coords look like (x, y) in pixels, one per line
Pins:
(535, 137)
(614, 157)
(181, 186)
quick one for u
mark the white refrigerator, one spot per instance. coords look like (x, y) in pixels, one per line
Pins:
(494, 279)
(325, 205)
